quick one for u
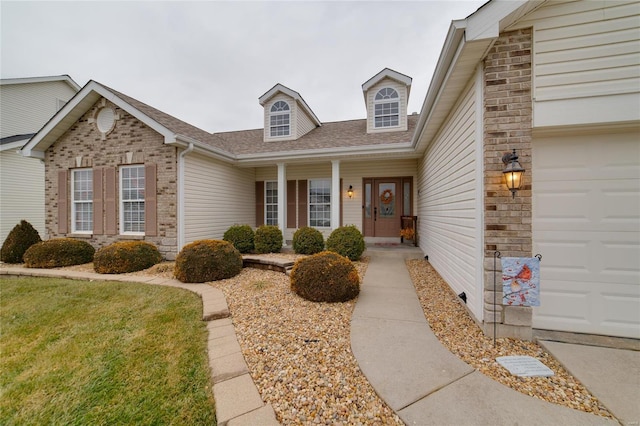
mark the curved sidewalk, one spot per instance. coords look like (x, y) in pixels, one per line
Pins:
(420, 379)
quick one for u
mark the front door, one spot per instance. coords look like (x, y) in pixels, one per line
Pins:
(385, 200)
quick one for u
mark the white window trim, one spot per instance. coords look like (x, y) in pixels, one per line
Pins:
(122, 201)
(386, 101)
(327, 181)
(266, 219)
(74, 203)
(275, 113)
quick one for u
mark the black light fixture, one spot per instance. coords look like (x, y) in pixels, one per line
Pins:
(350, 191)
(512, 172)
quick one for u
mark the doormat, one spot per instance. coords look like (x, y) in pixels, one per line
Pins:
(387, 244)
(524, 366)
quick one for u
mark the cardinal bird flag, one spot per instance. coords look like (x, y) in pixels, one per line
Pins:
(520, 281)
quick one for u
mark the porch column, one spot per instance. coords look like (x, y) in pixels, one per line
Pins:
(335, 194)
(282, 198)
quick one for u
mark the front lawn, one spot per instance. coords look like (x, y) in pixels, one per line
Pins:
(78, 352)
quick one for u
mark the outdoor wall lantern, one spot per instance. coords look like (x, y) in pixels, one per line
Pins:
(512, 172)
(350, 191)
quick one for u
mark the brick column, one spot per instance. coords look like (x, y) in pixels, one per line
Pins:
(507, 125)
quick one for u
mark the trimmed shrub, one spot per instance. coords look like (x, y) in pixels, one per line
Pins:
(325, 277)
(347, 241)
(126, 256)
(21, 237)
(268, 239)
(307, 240)
(241, 236)
(207, 260)
(58, 252)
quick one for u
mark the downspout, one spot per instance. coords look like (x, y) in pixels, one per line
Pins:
(180, 194)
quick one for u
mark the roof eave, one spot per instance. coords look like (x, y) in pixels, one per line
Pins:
(467, 42)
(69, 114)
(364, 152)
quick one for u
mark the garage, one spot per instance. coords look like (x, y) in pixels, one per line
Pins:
(586, 225)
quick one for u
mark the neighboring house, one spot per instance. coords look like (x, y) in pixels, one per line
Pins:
(26, 104)
(557, 81)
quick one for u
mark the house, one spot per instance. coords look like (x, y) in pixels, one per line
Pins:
(25, 105)
(556, 81)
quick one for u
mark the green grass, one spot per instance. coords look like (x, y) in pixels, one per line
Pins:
(98, 353)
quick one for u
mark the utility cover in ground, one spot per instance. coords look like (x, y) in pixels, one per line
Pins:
(524, 366)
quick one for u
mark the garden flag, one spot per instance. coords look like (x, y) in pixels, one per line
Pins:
(521, 281)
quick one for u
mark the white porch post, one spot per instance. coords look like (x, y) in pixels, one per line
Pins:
(335, 194)
(282, 201)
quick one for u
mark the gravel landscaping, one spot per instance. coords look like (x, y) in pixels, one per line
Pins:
(299, 355)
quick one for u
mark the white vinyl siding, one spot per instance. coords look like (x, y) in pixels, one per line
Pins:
(216, 195)
(586, 57)
(586, 225)
(82, 201)
(303, 123)
(22, 192)
(401, 89)
(25, 108)
(448, 207)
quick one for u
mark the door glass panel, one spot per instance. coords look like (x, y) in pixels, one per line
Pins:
(367, 201)
(406, 208)
(387, 194)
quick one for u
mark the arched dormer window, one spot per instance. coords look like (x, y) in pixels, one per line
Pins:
(386, 108)
(280, 119)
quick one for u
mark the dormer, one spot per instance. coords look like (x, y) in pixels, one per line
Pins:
(286, 115)
(386, 95)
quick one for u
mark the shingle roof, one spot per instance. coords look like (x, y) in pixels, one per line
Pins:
(337, 134)
(331, 135)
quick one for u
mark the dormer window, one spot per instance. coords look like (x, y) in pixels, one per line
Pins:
(386, 108)
(280, 119)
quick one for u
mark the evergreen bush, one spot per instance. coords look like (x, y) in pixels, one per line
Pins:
(268, 239)
(307, 240)
(207, 260)
(325, 277)
(126, 256)
(241, 236)
(21, 237)
(58, 252)
(347, 241)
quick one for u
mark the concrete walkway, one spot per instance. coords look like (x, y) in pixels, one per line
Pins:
(423, 382)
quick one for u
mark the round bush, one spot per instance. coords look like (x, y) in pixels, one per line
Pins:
(325, 277)
(268, 239)
(241, 236)
(126, 256)
(58, 252)
(21, 237)
(347, 241)
(307, 240)
(207, 260)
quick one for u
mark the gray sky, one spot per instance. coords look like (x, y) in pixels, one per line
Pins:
(208, 62)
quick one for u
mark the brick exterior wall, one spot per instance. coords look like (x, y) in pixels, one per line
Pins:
(507, 125)
(83, 145)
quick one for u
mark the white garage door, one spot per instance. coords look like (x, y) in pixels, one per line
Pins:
(586, 225)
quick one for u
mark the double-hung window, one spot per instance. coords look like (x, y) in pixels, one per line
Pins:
(386, 108)
(82, 201)
(271, 203)
(280, 119)
(320, 203)
(132, 199)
